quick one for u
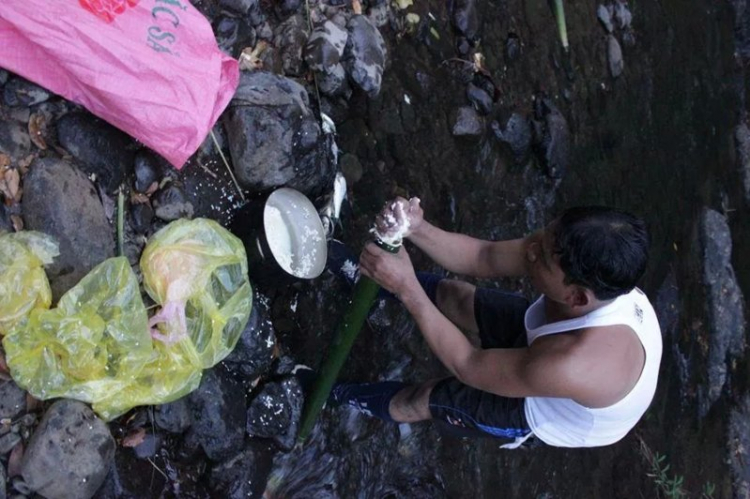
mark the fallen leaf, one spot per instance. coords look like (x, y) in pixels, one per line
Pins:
(13, 183)
(138, 198)
(250, 57)
(135, 438)
(14, 461)
(4, 160)
(152, 188)
(23, 165)
(37, 128)
(17, 222)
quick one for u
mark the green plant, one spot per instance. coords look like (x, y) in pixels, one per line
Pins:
(669, 485)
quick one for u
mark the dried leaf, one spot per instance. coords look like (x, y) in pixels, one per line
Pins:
(23, 165)
(12, 183)
(250, 57)
(4, 161)
(37, 129)
(138, 198)
(14, 461)
(135, 438)
(152, 188)
(17, 222)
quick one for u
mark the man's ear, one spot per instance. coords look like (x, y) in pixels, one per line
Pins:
(580, 297)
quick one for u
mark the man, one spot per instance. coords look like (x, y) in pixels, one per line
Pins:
(577, 368)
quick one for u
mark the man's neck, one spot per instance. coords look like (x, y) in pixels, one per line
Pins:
(556, 311)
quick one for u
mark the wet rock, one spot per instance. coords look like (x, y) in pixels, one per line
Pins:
(148, 168)
(271, 130)
(14, 140)
(7, 442)
(12, 400)
(604, 14)
(378, 13)
(218, 411)
(512, 48)
(325, 47)
(60, 201)
(238, 6)
(275, 412)
(481, 100)
(173, 417)
(172, 203)
(20, 92)
(742, 147)
(724, 303)
(365, 55)
(551, 138)
(622, 14)
(516, 134)
(614, 57)
(101, 149)
(69, 454)
(290, 38)
(244, 474)
(286, 8)
(142, 215)
(738, 445)
(465, 18)
(254, 352)
(334, 82)
(468, 122)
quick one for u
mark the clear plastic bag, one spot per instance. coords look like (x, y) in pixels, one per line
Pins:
(23, 283)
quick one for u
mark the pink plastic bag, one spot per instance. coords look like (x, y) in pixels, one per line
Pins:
(150, 67)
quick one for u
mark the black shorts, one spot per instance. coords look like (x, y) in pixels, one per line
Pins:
(472, 412)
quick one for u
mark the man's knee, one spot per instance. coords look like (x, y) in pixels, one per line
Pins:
(412, 404)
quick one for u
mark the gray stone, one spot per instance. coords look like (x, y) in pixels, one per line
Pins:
(742, 146)
(325, 46)
(275, 412)
(614, 57)
(218, 410)
(365, 55)
(468, 122)
(69, 454)
(14, 140)
(238, 6)
(286, 8)
(254, 352)
(12, 400)
(552, 138)
(8, 441)
(243, 475)
(173, 417)
(623, 15)
(334, 82)
(516, 134)
(604, 14)
(20, 92)
(737, 445)
(60, 201)
(148, 169)
(479, 98)
(465, 18)
(274, 138)
(290, 38)
(142, 214)
(378, 14)
(724, 303)
(101, 149)
(172, 203)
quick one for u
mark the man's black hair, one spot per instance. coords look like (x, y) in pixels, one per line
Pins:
(602, 249)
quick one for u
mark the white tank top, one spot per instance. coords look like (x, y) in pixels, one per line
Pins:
(564, 423)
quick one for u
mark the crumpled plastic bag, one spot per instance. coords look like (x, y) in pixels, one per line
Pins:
(93, 343)
(23, 283)
(197, 271)
(96, 346)
(152, 69)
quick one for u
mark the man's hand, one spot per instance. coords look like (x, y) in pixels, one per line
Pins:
(398, 219)
(394, 272)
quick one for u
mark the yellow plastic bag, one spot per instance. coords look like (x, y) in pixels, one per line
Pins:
(197, 271)
(91, 345)
(23, 283)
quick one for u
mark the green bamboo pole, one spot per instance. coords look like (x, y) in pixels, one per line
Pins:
(365, 292)
(561, 28)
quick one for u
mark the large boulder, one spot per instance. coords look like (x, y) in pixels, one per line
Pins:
(69, 454)
(275, 412)
(364, 57)
(60, 201)
(274, 138)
